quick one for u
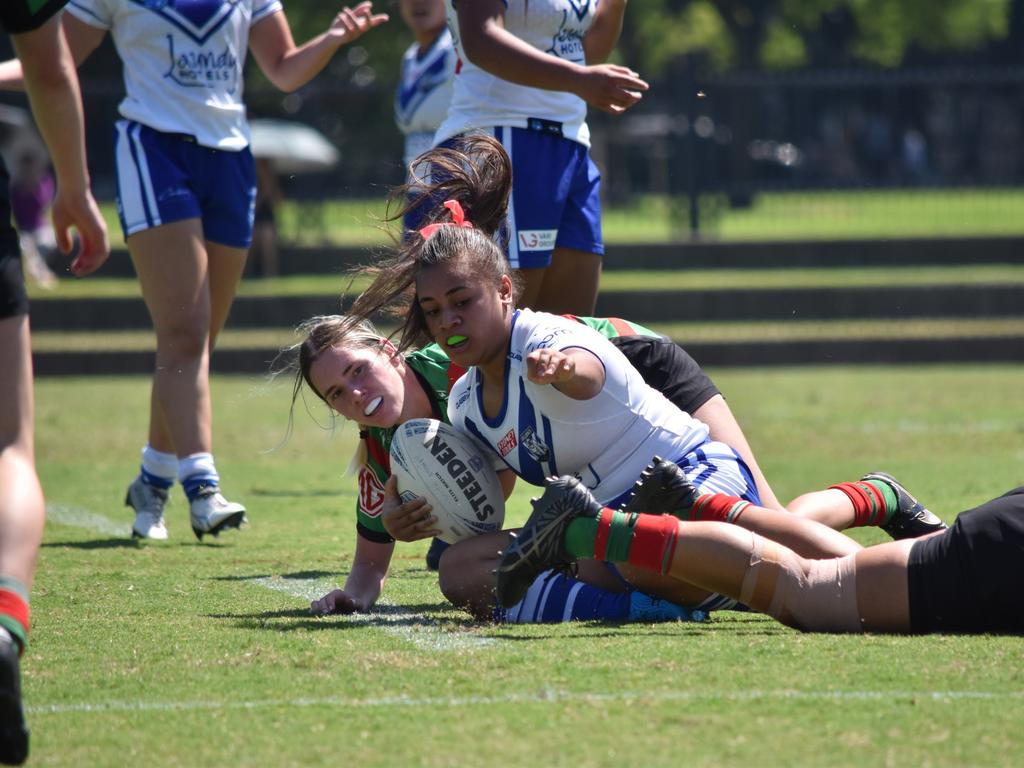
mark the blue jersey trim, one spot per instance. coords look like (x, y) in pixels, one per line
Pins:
(480, 389)
(191, 28)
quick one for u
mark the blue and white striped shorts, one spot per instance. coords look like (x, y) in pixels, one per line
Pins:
(167, 177)
(716, 468)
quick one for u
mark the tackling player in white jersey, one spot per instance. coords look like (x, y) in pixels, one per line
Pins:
(527, 70)
(186, 191)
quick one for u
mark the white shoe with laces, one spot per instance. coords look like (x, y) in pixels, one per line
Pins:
(211, 513)
(148, 503)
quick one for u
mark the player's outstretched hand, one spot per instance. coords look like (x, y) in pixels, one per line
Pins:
(336, 601)
(352, 23)
(407, 521)
(610, 88)
(549, 366)
(80, 212)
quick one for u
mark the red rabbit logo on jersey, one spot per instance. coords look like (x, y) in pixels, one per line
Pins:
(371, 492)
(507, 443)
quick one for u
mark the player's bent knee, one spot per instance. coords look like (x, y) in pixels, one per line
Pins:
(466, 581)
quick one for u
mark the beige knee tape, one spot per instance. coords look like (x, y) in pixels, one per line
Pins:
(818, 595)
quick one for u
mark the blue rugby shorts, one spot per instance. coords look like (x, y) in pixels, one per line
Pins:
(556, 197)
(167, 177)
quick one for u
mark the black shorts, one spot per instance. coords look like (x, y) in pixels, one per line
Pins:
(970, 579)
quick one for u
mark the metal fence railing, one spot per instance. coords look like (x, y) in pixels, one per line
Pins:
(711, 145)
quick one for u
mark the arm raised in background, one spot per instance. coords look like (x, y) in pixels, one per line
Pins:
(289, 67)
(52, 85)
(82, 39)
(491, 47)
(603, 35)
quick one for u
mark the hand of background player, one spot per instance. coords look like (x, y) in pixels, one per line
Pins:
(408, 521)
(81, 212)
(549, 366)
(352, 23)
(336, 601)
(610, 88)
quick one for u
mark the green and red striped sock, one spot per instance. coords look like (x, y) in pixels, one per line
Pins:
(14, 611)
(720, 507)
(874, 502)
(646, 541)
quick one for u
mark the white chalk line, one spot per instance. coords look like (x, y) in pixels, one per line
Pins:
(537, 697)
(78, 517)
(410, 626)
(418, 629)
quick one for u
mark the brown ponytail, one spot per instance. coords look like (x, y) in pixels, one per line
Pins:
(475, 171)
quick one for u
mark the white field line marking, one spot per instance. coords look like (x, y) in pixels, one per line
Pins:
(83, 518)
(538, 697)
(416, 628)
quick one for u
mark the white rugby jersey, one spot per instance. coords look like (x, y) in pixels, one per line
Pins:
(424, 93)
(605, 441)
(182, 62)
(481, 100)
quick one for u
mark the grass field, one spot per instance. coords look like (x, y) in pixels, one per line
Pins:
(188, 654)
(772, 216)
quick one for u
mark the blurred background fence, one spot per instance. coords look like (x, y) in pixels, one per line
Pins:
(708, 145)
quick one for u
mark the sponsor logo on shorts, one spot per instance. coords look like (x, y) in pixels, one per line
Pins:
(507, 443)
(537, 239)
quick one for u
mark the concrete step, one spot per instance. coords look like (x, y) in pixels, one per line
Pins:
(747, 304)
(952, 349)
(298, 260)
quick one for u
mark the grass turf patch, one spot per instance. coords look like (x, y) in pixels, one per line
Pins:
(203, 654)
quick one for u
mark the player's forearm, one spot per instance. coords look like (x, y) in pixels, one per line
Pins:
(52, 86)
(504, 55)
(10, 76)
(603, 35)
(296, 68)
(365, 583)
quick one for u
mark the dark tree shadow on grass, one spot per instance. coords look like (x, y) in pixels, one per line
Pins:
(95, 544)
(297, 575)
(278, 493)
(426, 615)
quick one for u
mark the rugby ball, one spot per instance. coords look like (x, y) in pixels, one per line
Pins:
(431, 459)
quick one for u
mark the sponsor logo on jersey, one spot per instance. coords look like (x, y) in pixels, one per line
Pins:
(547, 340)
(371, 492)
(461, 401)
(537, 239)
(507, 443)
(534, 445)
(200, 68)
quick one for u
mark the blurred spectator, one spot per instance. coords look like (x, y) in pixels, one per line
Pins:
(425, 83)
(264, 228)
(32, 192)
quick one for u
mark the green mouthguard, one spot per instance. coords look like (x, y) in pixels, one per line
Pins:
(457, 339)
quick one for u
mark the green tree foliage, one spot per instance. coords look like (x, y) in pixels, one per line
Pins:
(755, 34)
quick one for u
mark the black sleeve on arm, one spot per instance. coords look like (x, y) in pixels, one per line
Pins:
(668, 368)
(377, 537)
(17, 16)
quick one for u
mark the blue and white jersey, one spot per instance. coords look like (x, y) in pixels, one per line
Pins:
(605, 441)
(182, 62)
(482, 100)
(424, 93)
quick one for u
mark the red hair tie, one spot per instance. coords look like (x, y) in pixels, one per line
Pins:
(458, 220)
